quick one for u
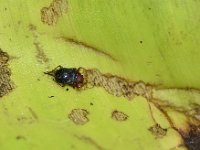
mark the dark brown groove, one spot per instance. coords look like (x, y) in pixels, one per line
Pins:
(90, 141)
(88, 46)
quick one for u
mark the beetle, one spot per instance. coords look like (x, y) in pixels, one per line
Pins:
(67, 76)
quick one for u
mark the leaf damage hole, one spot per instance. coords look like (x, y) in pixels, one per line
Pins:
(6, 85)
(119, 116)
(50, 15)
(79, 116)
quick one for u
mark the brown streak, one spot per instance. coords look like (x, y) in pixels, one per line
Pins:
(33, 113)
(165, 114)
(90, 140)
(88, 46)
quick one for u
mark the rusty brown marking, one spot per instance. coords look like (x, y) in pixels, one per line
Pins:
(90, 141)
(79, 116)
(6, 85)
(158, 131)
(88, 46)
(50, 15)
(119, 116)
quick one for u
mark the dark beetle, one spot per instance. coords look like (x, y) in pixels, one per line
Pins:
(67, 76)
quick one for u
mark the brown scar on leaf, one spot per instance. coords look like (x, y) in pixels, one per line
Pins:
(40, 54)
(87, 46)
(158, 131)
(90, 141)
(119, 116)
(50, 15)
(79, 116)
(6, 85)
(115, 85)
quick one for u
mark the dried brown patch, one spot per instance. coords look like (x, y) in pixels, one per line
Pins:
(79, 116)
(119, 116)
(40, 54)
(90, 141)
(6, 85)
(88, 46)
(158, 131)
(192, 138)
(50, 15)
(115, 85)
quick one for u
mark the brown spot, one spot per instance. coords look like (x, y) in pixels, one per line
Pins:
(20, 137)
(119, 116)
(88, 46)
(6, 85)
(50, 15)
(90, 141)
(158, 131)
(79, 116)
(192, 138)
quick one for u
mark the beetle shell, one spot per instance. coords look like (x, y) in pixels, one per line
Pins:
(69, 76)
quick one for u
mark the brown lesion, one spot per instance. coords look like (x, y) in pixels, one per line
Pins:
(90, 141)
(158, 131)
(6, 84)
(79, 116)
(88, 46)
(119, 115)
(50, 14)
